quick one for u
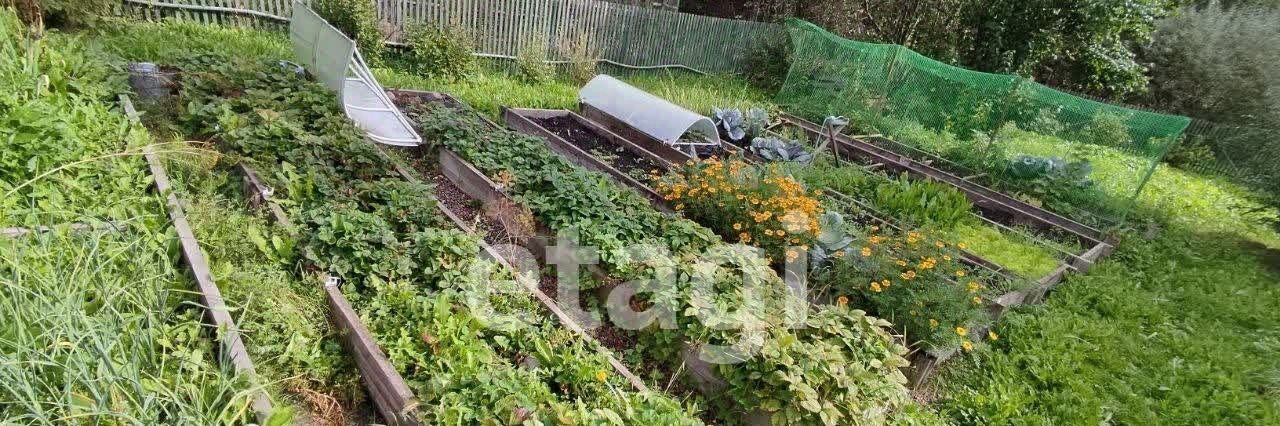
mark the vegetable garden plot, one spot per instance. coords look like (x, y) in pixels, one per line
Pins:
(589, 136)
(628, 132)
(998, 291)
(418, 285)
(386, 387)
(999, 207)
(504, 221)
(216, 311)
(613, 218)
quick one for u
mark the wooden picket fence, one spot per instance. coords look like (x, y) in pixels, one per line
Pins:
(623, 34)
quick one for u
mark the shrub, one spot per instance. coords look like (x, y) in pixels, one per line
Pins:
(1106, 129)
(357, 19)
(63, 13)
(759, 206)
(582, 56)
(767, 61)
(1219, 63)
(532, 62)
(914, 281)
(441, 52)
(1194, 154)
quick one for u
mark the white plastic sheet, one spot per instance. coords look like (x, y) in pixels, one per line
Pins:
(648, 113)
(336, 63)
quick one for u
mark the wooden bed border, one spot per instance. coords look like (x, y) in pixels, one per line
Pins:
(390, 394)
(216, 312)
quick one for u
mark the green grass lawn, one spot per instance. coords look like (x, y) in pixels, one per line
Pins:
(1179, 329)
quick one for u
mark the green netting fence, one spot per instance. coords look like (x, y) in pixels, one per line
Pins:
(1084, 159)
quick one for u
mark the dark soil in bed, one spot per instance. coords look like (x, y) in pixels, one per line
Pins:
(598, 146)
(708, 151)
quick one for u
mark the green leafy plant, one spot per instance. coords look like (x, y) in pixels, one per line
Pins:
(775, 149)
(922, 201)
(441, 51)
(583, 57)
(916, 283)
(532, 62)
(357, 19)
(739, 126)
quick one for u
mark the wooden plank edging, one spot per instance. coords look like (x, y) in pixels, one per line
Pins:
(981, 195)
(471, 181)
(387, 389)
(19, 232)
(520, 121)
(216, 311)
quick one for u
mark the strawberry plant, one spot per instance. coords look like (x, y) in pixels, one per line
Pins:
(453, 324)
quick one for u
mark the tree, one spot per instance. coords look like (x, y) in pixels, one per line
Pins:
(1219, 63)
(1081, 45)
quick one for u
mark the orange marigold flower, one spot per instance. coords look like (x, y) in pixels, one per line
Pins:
(875, 287)
(842, 301)
(866, 252)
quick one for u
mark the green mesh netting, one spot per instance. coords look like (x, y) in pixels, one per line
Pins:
(996, 128)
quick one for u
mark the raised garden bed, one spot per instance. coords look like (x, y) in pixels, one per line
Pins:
(484, 202)
(602, 129)
(724, 150)
(386, 387)
(989, 200)
(392, 396)
(705, 376)
(216, 313)
(590, 146)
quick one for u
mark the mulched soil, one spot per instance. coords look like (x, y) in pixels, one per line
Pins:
(600, 147)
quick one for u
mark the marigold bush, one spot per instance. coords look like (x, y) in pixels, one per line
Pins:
(752, 205)
(915, 281)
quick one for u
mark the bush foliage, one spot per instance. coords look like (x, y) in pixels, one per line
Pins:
(357, 19)
(441, 51)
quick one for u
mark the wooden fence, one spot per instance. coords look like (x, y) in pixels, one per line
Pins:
(628, 35)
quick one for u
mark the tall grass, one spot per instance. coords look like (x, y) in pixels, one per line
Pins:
(283, 312)
(96, 329)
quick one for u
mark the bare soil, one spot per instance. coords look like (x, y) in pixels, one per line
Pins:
(598, 146)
